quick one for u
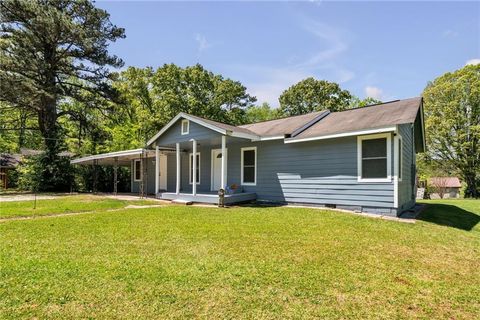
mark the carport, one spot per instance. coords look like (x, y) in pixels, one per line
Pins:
(120, 158)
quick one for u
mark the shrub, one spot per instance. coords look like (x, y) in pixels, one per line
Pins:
(46, 173)
(84, 179)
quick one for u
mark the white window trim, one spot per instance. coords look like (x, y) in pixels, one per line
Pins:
(188, 126)
(190, 158)
(400, 157)
(135, 169)
(211, 167)
(241, 166)
(389, 157)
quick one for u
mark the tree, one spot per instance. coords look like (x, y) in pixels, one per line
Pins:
(311, 95)
(452, 123)
(356, 102)
(53, 50)
(151, 98)
(260, 113)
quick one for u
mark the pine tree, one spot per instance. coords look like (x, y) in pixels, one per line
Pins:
(52, 50)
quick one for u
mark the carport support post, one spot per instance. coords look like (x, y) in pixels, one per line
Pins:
(157, 169)
(177, 189)
(115, 177)
(224, 162)
(194, 168)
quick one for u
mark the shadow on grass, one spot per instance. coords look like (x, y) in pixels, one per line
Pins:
(450, 216)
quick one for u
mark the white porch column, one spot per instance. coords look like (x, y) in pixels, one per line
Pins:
(177, 190)
(194, 168)
(157, 169)
(224, 162)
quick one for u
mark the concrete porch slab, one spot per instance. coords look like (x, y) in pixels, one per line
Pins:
(208, 198)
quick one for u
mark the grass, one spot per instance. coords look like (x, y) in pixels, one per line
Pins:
(197, 262)
(64, 204)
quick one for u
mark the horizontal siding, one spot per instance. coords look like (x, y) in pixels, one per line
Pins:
(197, 132)
(318, 172)
(149, 178)
(406, 186)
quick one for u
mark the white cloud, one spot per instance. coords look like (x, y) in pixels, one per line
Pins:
(270, 82)
(472, 62)
(330, 37)
(374, 92)
(203, 44)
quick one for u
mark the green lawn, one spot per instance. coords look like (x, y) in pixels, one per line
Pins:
(64, 204)
(183, 262)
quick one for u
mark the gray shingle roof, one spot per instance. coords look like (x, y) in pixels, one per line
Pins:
(284, 126)
(224, 125)
(370, 117)
(317, 124)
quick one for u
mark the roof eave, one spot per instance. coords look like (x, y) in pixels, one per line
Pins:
(344, 134)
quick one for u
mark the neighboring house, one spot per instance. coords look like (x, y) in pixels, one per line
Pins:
(7, 162)
(10, 161)
(444, 187)
(360, 159)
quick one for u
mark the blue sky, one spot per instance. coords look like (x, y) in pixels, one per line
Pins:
(387, 50)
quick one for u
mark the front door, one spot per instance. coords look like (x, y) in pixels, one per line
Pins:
(217, 170)
(163, 172)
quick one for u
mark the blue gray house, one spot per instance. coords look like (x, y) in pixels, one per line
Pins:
(361, 159)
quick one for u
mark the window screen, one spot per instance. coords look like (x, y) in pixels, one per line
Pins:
(138, 169)
(249, 166)
(374, 158)
(185, 124)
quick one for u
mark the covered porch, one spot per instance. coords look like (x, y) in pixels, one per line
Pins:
(198, 178)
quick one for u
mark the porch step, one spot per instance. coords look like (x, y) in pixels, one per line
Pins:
(180, 201)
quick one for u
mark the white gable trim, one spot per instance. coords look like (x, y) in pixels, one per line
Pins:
(202, 123)
(188, 117)
(343, 134)
(243, 135)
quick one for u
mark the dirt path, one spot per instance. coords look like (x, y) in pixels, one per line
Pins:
(27, 197)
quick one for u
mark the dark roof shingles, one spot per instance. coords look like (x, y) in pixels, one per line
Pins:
(282, 126)
(370, 117)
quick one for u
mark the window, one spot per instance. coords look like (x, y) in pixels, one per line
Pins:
(249, 166)
(374, 158)
(137, 170)
(400, 157)
(191, 168)
(185, 126)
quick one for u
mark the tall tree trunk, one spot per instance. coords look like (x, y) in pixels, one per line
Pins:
(472, 182)
(47, 119)
(21, 135)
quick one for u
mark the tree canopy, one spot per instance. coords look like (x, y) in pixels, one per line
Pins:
(452, 123)
(54, 50)
(261, 112)
(311, 95)
(152, 97)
